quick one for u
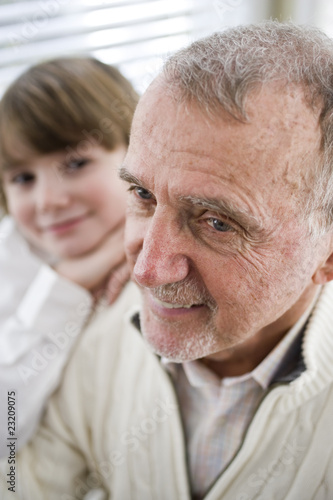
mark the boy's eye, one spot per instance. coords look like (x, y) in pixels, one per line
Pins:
(76, 164)
(23, 178)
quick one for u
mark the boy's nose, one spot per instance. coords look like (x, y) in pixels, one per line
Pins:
(51, 194)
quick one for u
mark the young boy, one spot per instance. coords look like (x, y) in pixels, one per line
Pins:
(64, 130)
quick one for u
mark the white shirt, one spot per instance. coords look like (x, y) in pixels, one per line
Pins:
(41, 317)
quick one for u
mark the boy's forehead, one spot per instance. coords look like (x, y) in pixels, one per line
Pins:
(16, 153)
(27, 157)
(14, 161)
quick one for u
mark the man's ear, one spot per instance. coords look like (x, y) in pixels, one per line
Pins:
(324, 273)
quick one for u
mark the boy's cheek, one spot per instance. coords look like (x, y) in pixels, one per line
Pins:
(23, 216)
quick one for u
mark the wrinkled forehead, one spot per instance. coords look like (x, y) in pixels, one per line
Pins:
(281, 126)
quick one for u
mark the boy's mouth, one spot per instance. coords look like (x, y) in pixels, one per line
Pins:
(64, 224)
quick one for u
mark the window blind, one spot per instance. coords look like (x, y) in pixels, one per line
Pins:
(134, 35)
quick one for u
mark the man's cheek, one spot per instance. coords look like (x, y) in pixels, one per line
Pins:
(251, 271)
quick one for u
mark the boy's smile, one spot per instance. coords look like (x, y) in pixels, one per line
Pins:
(66, 206)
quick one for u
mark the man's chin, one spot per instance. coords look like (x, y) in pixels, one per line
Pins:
(177, 350)
(169, 355)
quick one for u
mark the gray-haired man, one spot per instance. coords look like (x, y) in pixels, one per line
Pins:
(229, 236)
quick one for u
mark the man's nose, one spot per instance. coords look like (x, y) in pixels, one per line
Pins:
(51, 193)
(162, 258)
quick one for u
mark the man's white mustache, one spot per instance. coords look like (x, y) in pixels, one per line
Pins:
(187, 291)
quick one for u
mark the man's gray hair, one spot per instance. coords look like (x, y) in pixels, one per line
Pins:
(222, 70)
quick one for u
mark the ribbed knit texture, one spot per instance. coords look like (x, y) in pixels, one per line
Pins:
(116, 414)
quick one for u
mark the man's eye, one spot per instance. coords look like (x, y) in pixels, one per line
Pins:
(141, 192)
(219, 225)
(23, 178)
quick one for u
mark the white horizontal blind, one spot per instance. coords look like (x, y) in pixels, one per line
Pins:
(134, 35)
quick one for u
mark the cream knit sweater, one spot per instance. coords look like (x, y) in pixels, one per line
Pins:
(114, 423)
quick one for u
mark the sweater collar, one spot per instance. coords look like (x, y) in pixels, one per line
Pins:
(313, 370)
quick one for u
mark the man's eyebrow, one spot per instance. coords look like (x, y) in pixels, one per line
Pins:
(243, 217)
(125, 175)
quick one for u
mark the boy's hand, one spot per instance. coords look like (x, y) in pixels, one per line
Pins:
(103, 271)
(113, 285)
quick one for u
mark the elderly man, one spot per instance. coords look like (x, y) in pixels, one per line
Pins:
(229, 236)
